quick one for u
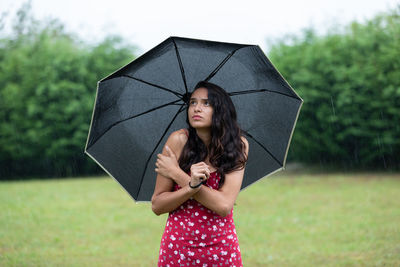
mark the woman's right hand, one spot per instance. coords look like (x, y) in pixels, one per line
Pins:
(199, 172)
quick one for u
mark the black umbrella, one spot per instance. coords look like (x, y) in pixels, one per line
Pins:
(139, 105)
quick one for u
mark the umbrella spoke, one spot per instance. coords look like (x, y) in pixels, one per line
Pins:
(259, 91)
(152, 84)
(176, 104)
(150, 110)
(180, 65)
(263, 147)
(221, 64)
(158, 143)
(131, 117)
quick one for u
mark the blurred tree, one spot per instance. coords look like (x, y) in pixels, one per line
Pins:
(47, 88)
(349, 79)
(350, 82)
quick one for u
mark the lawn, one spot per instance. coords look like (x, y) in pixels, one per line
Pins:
(285, 220)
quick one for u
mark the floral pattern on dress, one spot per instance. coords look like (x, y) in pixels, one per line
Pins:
(197, 236)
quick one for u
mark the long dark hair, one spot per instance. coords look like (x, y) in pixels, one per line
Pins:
(226, 150)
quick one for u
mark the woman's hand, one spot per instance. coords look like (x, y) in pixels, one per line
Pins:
(199, 172)
(167, 164)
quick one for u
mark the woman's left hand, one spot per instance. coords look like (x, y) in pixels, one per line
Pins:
(167, 164)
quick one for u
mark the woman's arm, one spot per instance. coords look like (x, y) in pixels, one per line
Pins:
(163, 199)
(221, 201)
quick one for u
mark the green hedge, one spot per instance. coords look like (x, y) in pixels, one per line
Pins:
(350, 82)
(48, 82)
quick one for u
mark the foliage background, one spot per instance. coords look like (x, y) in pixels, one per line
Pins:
(48, 84)
(349, 80)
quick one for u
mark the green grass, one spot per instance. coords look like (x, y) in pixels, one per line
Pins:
(284, 220)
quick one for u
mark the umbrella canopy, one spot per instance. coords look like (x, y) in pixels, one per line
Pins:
(140, 105)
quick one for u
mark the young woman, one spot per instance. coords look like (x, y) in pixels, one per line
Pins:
(199, 175)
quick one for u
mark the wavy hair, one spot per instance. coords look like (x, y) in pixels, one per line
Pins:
(226, 150)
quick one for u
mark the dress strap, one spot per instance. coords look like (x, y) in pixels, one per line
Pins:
(186, 132)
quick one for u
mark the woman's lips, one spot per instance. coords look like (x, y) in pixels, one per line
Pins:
(196, 117)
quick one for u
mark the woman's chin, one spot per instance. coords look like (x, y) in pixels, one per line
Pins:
(201, 127)
(199, 124)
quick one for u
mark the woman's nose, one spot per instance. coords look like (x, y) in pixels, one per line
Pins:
(197, 108)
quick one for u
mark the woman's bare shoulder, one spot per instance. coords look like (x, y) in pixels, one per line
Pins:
(246, 144)
(177, 140)
(179, 136)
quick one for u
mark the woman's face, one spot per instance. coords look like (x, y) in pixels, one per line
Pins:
(200, 110)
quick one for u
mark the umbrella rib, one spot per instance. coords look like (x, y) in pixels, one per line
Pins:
(259, 91)
(180, 65)
(249, 135)
(115, 123)
(155, 147)
(155, 85)
(221, 64)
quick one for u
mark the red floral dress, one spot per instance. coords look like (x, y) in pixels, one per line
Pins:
(197, 236)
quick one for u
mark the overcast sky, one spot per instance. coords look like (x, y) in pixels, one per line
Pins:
(146, 23)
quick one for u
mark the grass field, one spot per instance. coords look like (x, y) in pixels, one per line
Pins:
(285, 220)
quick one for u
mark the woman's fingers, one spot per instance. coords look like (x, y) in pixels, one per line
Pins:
(159, 158)
(200, 171)
(206, 173)
(170, 152)
(201, 164)
(201, 175)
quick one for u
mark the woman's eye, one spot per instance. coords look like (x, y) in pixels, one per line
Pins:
(192, 102)
(206, 103)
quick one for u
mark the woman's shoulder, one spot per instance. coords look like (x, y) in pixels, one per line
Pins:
(244, 140)
(179, 136)
(246, 144)
(177, 140)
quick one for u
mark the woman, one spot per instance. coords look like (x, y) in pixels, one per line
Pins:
(199, 175)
